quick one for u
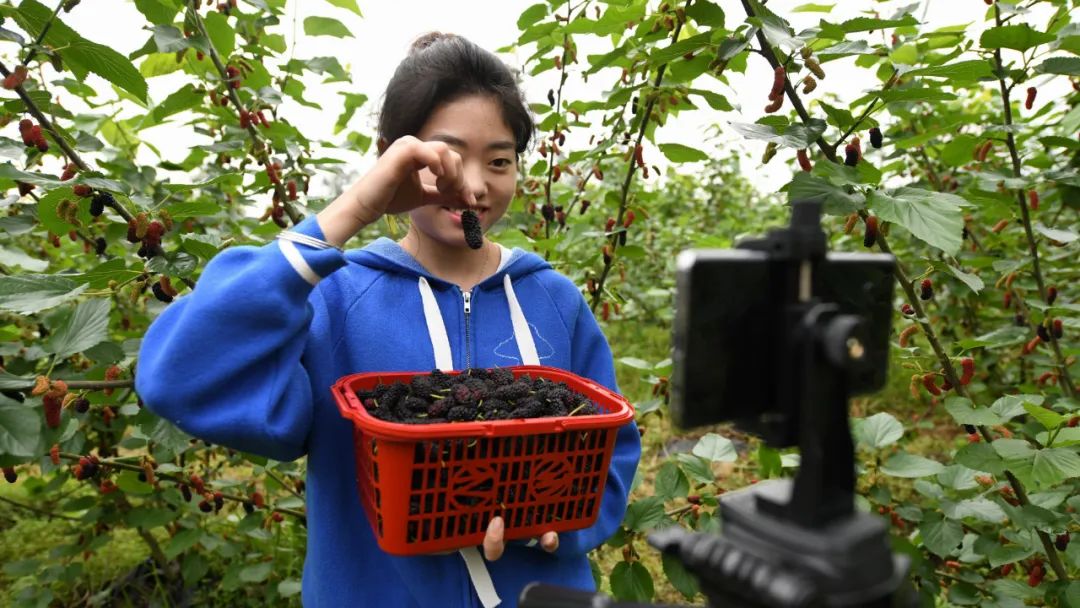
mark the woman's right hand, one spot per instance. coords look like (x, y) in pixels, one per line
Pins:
(394, 185)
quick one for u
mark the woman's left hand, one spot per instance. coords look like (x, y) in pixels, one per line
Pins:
(494, 545)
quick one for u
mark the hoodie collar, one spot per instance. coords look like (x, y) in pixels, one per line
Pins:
(386, 254)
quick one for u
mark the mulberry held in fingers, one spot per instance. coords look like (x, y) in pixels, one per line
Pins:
(871, 233)
(876, 138)
(1030, 101)
(474, 234)
(926, 289)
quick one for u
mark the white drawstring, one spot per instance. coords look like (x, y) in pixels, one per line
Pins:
(522, 333)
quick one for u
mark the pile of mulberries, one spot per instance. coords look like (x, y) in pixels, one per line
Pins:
(475, 394)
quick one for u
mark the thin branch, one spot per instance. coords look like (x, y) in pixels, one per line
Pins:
(37, 510)
(87, 385)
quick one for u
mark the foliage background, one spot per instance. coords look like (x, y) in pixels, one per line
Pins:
(973, 188)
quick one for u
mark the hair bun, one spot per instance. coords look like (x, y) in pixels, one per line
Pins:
(428, 39)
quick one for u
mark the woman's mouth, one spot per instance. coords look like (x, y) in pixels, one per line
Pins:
(455, 214)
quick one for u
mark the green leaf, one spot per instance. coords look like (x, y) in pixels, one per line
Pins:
(1054, 234)
(156, 11)
(865, 24)
(933, 217)
(531, 15)
(222, 35)
(1046, 416)
(1011, 406)
(961, 71)
(979, 508)
(795, 136)
(806, 186)
(20, 429)
(962, 411)
(16, 257)
(184, 98)
(1068, 66)
(79, 54)
(706, 13)
(1007, 554)
(1013, 450)
(679, 153)
(677, 574)
(86, 327)
(1019, 37)
(288, 588)
(353, 101)
(184, 540)
(980, 457)
(878, 431)
(671, 482)
(30, 293)
(644, 514)
(715, 448)
(325, 26)
(146, 517)
(776, 30)
(971, 280)
(256, 573)
(717, 101)
(630, 581)
(696, 467)
(635, 363)
(941, 536)
(349, 5)
(1055, 465)
(903, 464)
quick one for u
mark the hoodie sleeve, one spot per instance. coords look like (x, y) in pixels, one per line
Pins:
(223, 362)
(591, 358)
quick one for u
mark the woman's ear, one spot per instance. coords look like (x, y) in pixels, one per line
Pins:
(382, 145)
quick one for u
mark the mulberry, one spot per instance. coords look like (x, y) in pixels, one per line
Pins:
(1029, 102)
(160, 294)
(967, 364)
(926, 289)
(474, 234)
(1051, 294)
(851, 155)
(804, 160)
(1059, 330)
(876, 138)
(82, 190)
(10, 475)
(870, 236)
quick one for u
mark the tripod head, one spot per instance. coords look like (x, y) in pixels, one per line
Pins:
(776, 335)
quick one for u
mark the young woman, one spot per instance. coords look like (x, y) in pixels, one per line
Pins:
(247, 359)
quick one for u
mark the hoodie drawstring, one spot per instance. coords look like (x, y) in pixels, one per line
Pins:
(444, 361)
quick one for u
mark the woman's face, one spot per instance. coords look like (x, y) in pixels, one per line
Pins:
(472, 126)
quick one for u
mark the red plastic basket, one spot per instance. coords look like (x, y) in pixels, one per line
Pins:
(434, 487)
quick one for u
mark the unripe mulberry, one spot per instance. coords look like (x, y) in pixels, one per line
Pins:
(82, 190)
(779, 78)
(1035, 575)
(815, 67)
(197, 483)
(967, 364)
(54, 454)
(983, 150)
(1030, 101)
(770, 152)
(1033, 200)
(291, 188)
(15, 78)
(929, 382)
(809, 84)
(257, 500)
(804, 160)
(628, 219)
(474, 234)
(907, 309)
(774, 105)
(905, 335)
(52, 402)
(1051, 294)
(1058, 329)
(849, 223)
(69, 172)
(1001, 225)
(876, 138)
(926, 289)
(871, 233)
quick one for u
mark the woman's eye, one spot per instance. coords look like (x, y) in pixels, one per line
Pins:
(502, 163)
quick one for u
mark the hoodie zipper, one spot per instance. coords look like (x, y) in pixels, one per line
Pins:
(468, 310)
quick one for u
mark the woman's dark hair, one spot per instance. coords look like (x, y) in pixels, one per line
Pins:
(441, 68)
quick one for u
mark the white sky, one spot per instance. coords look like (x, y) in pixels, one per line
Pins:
(383, 35)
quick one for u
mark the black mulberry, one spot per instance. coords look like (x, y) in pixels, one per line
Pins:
(474, 234)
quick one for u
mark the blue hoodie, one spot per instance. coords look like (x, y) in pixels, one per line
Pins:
(247, 360)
